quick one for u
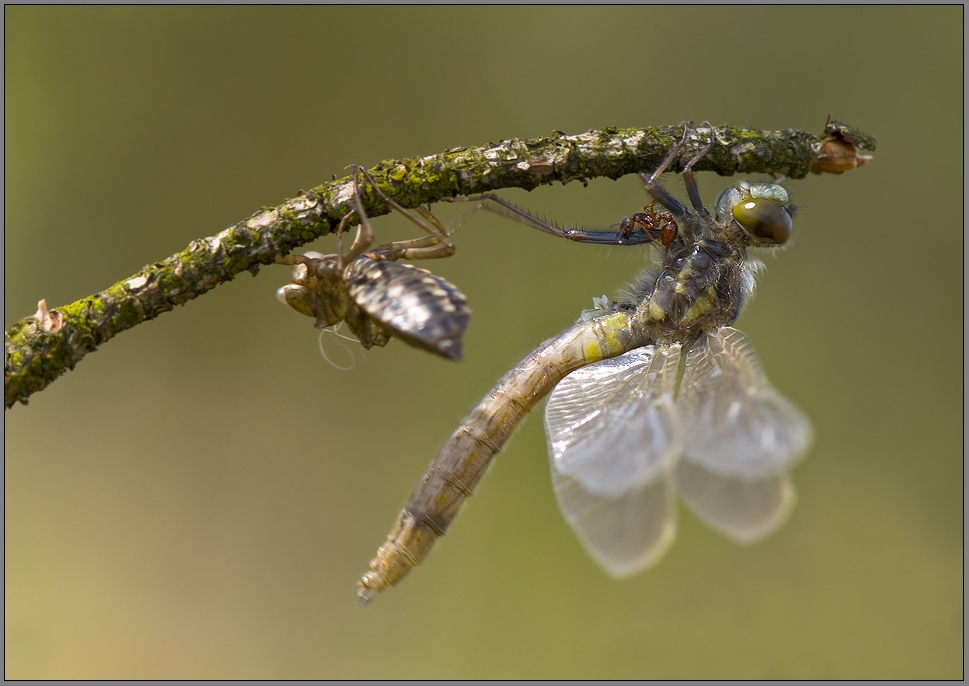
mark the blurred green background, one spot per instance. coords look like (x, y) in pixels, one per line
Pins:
(198, 499)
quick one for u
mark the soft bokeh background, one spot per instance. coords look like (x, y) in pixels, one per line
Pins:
(199, 497)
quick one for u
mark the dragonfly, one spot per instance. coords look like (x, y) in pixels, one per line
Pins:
(627, 430)
(376, 296)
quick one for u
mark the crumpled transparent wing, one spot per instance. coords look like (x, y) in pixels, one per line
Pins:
(734, 423)
(746, 510)
(626, 533)
(611, 433)
(611, 425)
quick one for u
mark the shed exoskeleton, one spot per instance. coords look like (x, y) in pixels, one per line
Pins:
(376, 296)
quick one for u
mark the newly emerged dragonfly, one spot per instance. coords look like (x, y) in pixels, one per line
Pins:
(375, 295)
(623, 435)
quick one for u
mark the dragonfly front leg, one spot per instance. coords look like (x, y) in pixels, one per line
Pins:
(625, 236)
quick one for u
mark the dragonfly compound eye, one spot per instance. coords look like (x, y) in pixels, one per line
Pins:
(763, 220)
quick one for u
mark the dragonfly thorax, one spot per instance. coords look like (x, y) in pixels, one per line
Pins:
(701, 288)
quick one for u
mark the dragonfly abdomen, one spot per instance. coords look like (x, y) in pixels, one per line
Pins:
(463, 460)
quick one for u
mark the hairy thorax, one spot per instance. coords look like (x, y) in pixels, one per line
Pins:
(701, 288)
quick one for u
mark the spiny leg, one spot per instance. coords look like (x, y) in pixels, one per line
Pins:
(653, 227)
(496, 205)
(427, 221)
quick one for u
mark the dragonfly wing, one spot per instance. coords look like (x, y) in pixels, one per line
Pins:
(735, 423)
(746, 510)
(612, 435)
(610, 425)
(625, 533)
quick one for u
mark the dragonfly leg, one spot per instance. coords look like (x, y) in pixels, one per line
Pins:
(657, 191)
(690, 179)
(643, 227)
(496, 205)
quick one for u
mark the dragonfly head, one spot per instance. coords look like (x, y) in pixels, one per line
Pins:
(761, 210)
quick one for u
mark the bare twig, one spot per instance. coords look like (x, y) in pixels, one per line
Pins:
(35, 355)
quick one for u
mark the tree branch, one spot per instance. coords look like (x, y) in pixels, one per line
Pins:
(39, 348)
